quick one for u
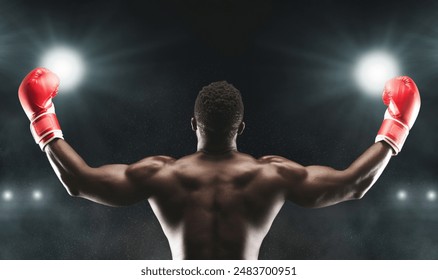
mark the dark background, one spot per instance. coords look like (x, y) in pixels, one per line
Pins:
(145, 62)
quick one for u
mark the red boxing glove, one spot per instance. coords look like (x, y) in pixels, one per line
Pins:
(403, 100)
(35, 93)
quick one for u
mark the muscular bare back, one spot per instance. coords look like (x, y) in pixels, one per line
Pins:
(214, 206)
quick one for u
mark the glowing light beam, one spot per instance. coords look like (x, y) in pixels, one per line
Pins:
(373, 70)
(431, 195)
(67, 64)
(402, 195)
(37, 195)
(7, 195)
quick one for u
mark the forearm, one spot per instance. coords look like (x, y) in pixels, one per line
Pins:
(365, 170)
(67, 164)
(402, 97)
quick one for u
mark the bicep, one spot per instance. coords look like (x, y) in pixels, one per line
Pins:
(110, 185)
(114, 184)
(321, 186)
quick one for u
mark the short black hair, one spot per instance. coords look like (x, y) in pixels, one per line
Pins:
(219, 108)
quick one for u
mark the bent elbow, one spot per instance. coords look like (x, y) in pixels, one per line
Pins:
(358, 195)
(70, 185)
(361, 188)
(72, 192)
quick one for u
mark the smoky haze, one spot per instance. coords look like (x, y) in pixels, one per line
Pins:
(145, 63)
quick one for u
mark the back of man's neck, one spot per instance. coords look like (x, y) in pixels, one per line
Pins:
(216, 148)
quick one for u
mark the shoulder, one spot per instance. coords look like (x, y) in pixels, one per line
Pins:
(278, 160)
(283, 167)
(149, 166)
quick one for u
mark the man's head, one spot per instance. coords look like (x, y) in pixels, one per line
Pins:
(219, 110)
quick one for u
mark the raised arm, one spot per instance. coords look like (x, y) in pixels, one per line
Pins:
(319, 186)
(115, 184)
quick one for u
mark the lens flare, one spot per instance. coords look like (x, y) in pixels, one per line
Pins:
(373, 70)
(67, 64)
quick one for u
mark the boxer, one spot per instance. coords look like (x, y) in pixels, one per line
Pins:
(217, 203)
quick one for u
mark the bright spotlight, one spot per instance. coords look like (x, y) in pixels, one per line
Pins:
(8, 195)
(37, 195)
(67, 64)
(402, 195)
(373, 70)
(431, 195)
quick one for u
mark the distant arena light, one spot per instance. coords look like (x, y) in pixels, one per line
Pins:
(37, 195)
(7, 195)
(67, 64)
(431, 195)
(373, 70)
(402, 195)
